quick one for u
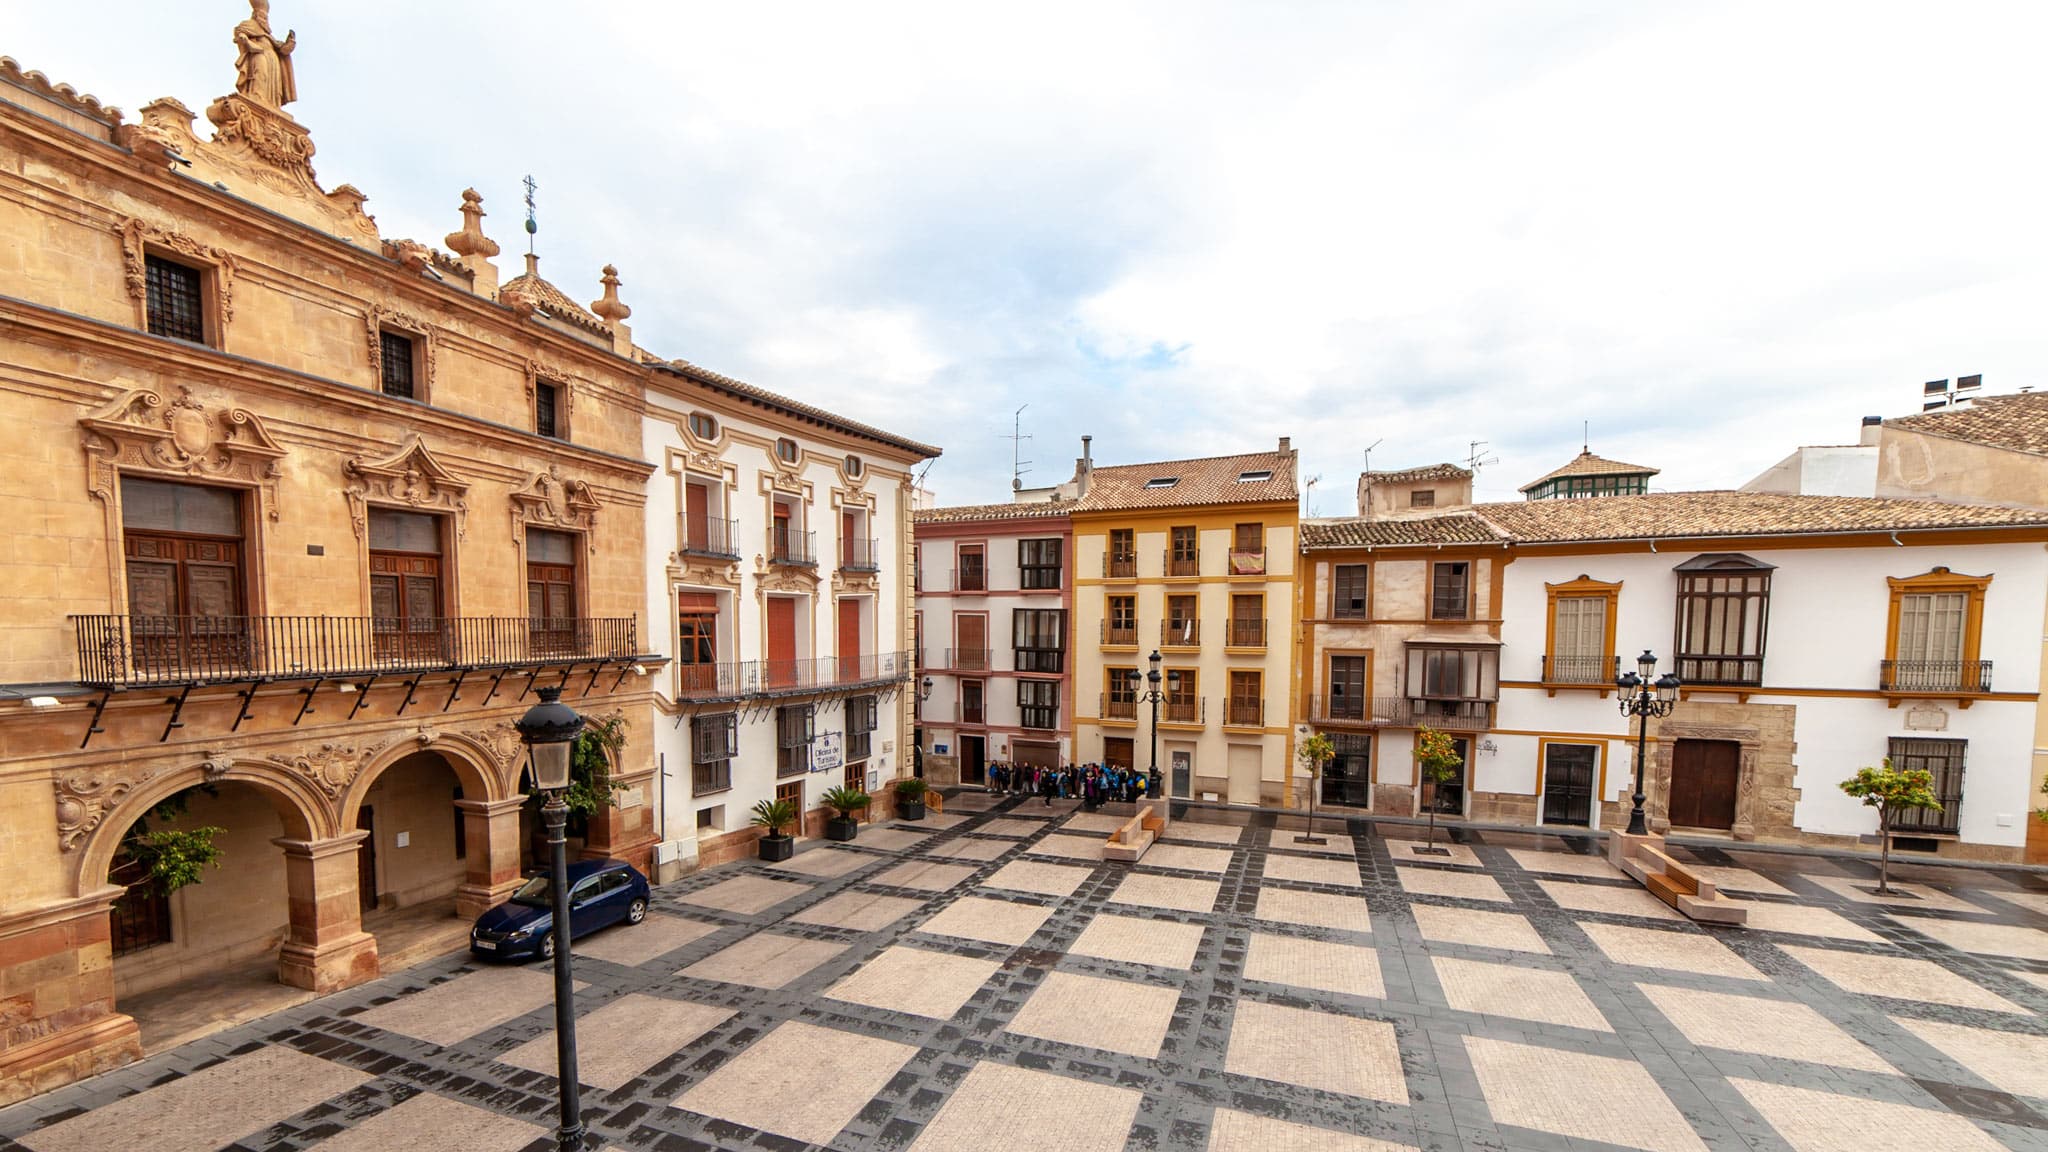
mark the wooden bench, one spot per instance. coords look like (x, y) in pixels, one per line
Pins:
(1128, 843)
(1670, 880)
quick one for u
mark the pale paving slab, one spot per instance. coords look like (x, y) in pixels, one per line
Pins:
(1994, 939)
(2036, 902)
(915, 980)
(1898, 977)
(745, 895)
(1204, 833)
(1069, 847)
(1577, 1095)
(1166, 892)
(1188, 858)
(842, 1071)
(1813, 1121)
(1903, 895)
(1318, 909)
(1234, 1131)
(2014, 1062)
(1008, 826)
(1100, 823)
(1404, 851)
(993, 921)
(430, 1123)
(933, 821)
(1785, 1029)
(1565, 863)
(1002, 1108)
(858, 910)
(1346, 969)
(1161, 943)
(1677, 951)
(1802, 920)
(636, 944)
(825, 863)
(764, 960)
(1313, 870)
(623, 1039)
(2037, 979)
(1614, 901)
(1316, 1050)
(1520, 993)
(924, 876)
(1442, 882)
(1044, 879)
(466, 1005)
(209, 1108)
(1334, 841)
(973, 801)
(1093, 1012)
(969, 848)
(894, 838)
(1504, 930)
(1738, 880)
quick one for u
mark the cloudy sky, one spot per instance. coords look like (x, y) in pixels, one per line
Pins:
(1715, 231)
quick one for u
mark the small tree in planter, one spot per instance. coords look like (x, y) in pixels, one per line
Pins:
(910, 798)
(1437, 761)
(775, 815)
(1315, 752)
(1891, 791)
(844, 802)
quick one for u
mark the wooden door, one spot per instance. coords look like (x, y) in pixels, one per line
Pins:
(697, 640)
(849, 640)
(696, 518)
(405, 606)
(779, 542)
(781, 641)
(1568, 781)
(366, 860)
(1704, 777)
(973, 760)
(185, 603)
(850, 551)
(551, 592)
(1116, 752)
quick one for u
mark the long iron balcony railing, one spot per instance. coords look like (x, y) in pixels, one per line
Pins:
(129, 651)
(1934, 676)
(732, 679)
(1581, 669)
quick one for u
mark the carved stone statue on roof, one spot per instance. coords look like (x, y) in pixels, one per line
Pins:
(263, 63)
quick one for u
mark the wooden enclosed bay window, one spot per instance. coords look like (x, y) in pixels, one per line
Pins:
(1039, 565)
(1038, 703)
(1039, 639)
(1723, 606)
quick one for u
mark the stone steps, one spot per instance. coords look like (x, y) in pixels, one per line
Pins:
(1644, 859)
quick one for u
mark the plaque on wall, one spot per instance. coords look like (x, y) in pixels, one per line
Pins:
(1927, 718)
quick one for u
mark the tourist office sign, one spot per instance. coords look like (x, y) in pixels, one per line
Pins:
(828, 752)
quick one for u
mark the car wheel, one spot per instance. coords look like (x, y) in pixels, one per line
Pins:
(636, 911)
(547, 946)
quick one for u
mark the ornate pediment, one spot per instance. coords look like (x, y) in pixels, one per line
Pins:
(801, 579)
(548, 501)
(265, 154)
(684, 568)
(410, 478)
(186, 438)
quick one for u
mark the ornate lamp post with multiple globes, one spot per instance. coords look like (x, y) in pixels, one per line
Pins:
(549, 729)
(1154, 693)
(1642, 698)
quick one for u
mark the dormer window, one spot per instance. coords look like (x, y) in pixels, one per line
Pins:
(786, 450)
(1162, 482)
(853, 467)
(1254, 475)
(703, 427)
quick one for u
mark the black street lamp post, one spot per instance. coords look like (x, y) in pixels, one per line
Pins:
(1153, 693)
(1642, 698)
(549, 729)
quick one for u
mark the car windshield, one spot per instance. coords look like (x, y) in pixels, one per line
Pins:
(536, 892)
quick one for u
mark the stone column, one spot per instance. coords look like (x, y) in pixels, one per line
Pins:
(327, 949)
(491, 870)
(57, 1018)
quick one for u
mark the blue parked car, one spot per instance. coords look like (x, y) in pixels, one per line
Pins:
(601, 893)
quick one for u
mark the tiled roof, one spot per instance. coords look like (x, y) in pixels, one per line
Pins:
(963, 513)
(1675, 515)
(549, 298)
(1587, 464)
(785, 405)
(1212, 480)
(1426, 472)
(1352, 532)
(2017, 422)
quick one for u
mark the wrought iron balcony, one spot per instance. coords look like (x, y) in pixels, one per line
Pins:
(1185, 710)
(1934, 676)
(1245, 712)
(1120, 566)
(129, 651)
(965, 713)
(712, 538)
(969, 659)
(1114, 709)
(788, 546)
(966, 580)
(858, 554)
(1180, 633)
(1591, 670)
(1247, 634)
(1245, 562)
(1184, 565)
(1339, 710)
(1417, 712)
(735, 679)
(1119, 635)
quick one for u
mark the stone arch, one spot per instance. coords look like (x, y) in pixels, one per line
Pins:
(473, 762)
(303, 810)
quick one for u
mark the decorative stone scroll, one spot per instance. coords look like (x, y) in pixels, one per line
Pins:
(139, 236)
(330, 767)
(138, 432)
(548, 501)
(412, 478)
(84, 799)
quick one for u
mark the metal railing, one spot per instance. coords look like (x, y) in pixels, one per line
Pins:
(1416, 712)
(1247, 563)
(120, 651)
(1581, 669)
(1183, 565)
(970, 713)
(715, 776)
(1180, 633)
(1185, 710)
(1247, 634)
(712, 538)
(1119, 637)
(1245, 712)
(969, 659)
(857, 554)
(1120, 566)
(1934, 676)
(965, 580)
(1339, 710)
(1114, 709)
(788, 546)
(733, 679)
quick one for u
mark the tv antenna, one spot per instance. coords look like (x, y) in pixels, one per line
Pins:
(1309, 494)
(1017, 437)
(1479, 457)
(1365, 481)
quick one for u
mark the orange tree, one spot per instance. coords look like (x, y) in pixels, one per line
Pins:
(1437, 759)
(1891, 791)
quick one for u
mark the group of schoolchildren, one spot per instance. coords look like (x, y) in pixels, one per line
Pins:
(1093, 784)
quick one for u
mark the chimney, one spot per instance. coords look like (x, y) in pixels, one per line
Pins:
(1285, 444)
(1873, 426)
(1084, 467)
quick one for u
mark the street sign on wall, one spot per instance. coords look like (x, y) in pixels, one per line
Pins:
(828, 752)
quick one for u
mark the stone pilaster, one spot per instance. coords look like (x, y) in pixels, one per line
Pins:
(491, 828)
(327, 949)
(57, 1018)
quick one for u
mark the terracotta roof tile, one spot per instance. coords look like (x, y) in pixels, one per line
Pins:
(2017, 422)
(1211, 480)
(1676, 515)
(1425, 472)
(787, 406)
(1352, 532)
(963, 513)
(1587, 464)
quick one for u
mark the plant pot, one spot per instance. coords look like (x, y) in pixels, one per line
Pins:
(777, 847)
(909, 809)
(841, 828)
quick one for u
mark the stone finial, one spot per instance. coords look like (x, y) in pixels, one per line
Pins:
(471, 241)
(611, 308)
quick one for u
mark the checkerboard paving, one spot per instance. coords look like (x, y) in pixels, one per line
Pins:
(1441, 852)
(1234, 990)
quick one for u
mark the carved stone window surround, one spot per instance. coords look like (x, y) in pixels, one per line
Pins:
(411, 479)
(565, 394)
(141, 239)
(547, 501)
(377, 320)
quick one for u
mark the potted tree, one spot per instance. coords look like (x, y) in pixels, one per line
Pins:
(775, 815)
(910, 798)
(1891, 791)
(1315, 752)
(844, 802)
(1437, 762)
